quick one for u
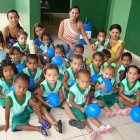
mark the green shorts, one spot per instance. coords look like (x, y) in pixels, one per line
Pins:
(78, 114)
(108, 100)
(2, 102)
(60, 77)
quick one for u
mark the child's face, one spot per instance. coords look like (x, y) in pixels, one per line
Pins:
(78, 51)
(97, 61)
(83, 81)
(51, 75)
(76, 64)
(58, 52)
(39, 31)
(22, 39)
(107, 73)
(8, 72)
(132, 74)
(16, 56)
(20, 87)
(46, 40)
(101, 36)
(31, 64)
(106, 58)
(126, 61)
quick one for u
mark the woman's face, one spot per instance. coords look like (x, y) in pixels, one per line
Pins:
(115, 34)
(74, 13)
(13, 18)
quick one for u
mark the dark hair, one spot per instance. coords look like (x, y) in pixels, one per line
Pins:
(37, 25)
(50, 66)
(79, 46)
(98, 54)
(77, 56)
(14, 48)
(23, 77)
(1, 39)
(133, 66)
(128, 54)
(32, 56)
(83, 71)
(115, 26)
(106, 53)
(60, 46)
(73, 7)
(102, 31)
(14, 11)
(22, 33)
(5, 63)
(45, 34)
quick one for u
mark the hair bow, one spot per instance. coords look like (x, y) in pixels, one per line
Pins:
(107, 64)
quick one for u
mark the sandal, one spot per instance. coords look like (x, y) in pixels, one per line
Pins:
(58, 126)
(77, 123)
(105, 129)
(92, 134)
(124, 112)
(110, 114)
(45, 124)
(43, 131)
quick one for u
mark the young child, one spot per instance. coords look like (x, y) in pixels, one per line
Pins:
(16, 56)
(22, 39)
(107, 55)
(7, 72)
(126, 59)
(52, 84)
(78, 99)
(38, 31)
(69, 76)
(45, 38)
(18, 104)
(129, 90)
(101, 42)
(108, 98)
(33, 71)
(60, 51)
(79, 49)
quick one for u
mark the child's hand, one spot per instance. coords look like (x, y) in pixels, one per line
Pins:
(133, 101)
(102, 86)
(82, 109)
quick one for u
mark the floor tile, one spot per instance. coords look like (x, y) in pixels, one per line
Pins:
(77, 138)
(3, 135)
(130, 131)
(2, 115)
(57, 111)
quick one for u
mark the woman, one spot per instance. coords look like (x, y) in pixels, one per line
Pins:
(11, 30)
(116, 46)
(69, 30)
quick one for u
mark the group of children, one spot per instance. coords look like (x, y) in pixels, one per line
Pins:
(21, 101)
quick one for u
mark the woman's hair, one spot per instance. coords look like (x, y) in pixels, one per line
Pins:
(77, 56)
(73, 7)
(45, 34)
(35, 26)
(23, 77)
(115, 26)
(22, 33)
(98, 54)
(1, 39)
(133, 66)
(128, 54)
(83, 71)
(61, 47)
(50, 66)
(14, 48)
(5, 63)
(14, 11)
(32, 56)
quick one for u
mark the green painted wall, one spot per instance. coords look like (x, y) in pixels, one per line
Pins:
(132, 37)
(95, 10)
(118, 13)
(59, 6)
(5, 5)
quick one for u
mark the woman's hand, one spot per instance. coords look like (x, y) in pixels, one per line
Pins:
(72, 46)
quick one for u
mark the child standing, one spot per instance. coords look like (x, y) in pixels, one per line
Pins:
(22, 39)
(18, 104)
(16, 56)
(129, 90)
(33, 71)
(78, 99)
(49, 85)
(7, 71)
(126, 59)
(108, 98)
(101, 42)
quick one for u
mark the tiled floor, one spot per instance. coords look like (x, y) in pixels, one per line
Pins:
(125, 128)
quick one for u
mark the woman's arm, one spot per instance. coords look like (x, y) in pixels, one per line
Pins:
(7, 114)
(118, 54)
